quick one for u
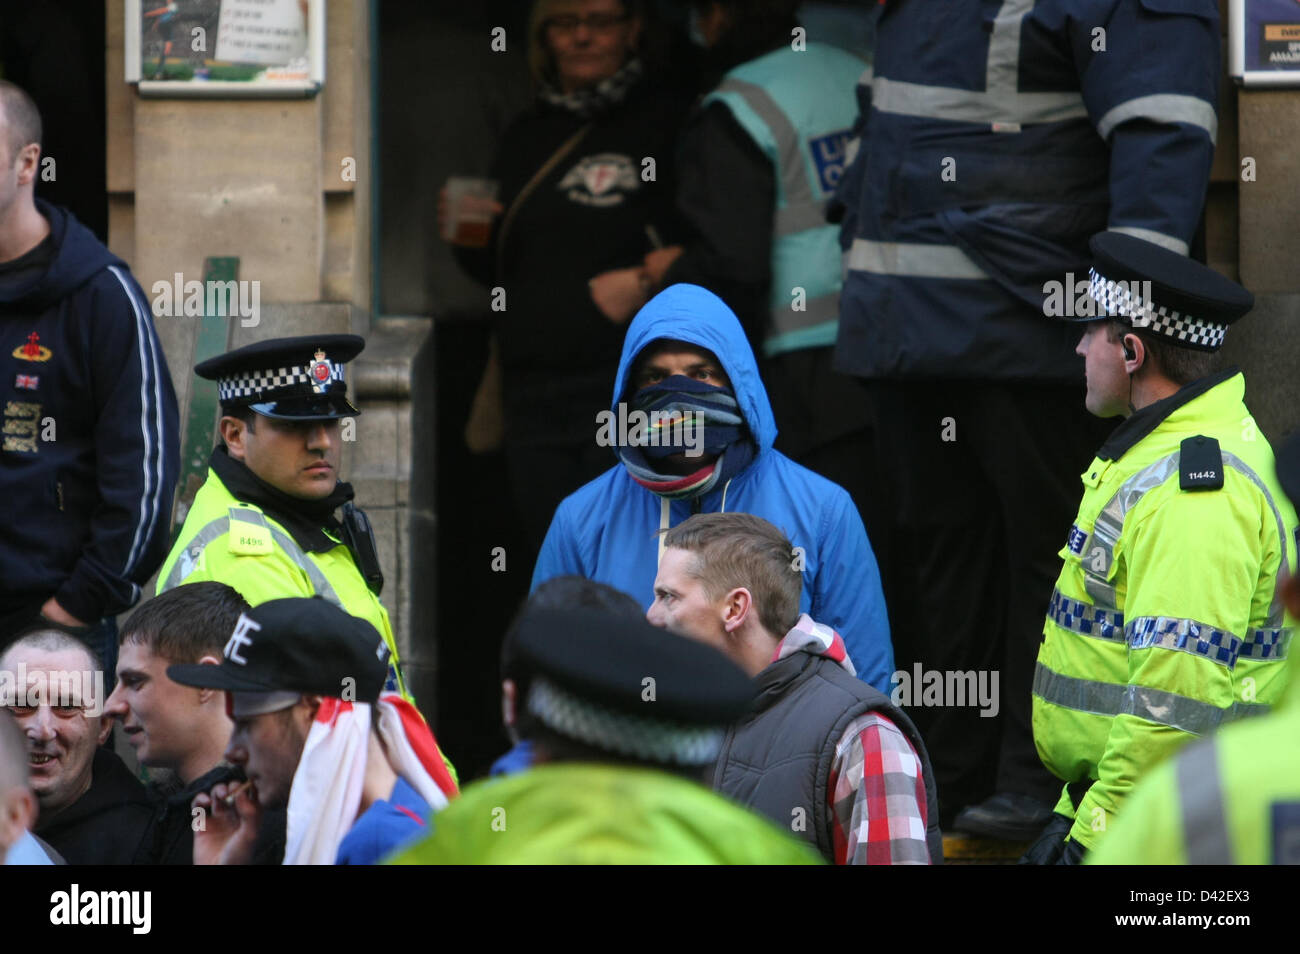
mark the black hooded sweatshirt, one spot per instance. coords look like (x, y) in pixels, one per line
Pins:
(171, 838)
(89, 455)
(108, 824)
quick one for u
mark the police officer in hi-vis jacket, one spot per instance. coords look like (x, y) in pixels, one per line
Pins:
(1167, 618)
(264, 520)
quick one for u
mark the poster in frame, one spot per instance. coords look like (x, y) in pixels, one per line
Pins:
(1264, 42)
(225, 48)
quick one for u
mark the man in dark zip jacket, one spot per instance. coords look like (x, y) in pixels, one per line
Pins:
(90, 447)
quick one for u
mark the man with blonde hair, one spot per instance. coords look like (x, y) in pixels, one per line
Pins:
(819, 745)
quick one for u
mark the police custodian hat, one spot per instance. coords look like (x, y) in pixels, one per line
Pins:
(1189, 303)
(301, 644)
(292, 378)
(623, 686)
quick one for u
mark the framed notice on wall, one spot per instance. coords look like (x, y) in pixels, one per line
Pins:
(1264, 42)
(225, 48)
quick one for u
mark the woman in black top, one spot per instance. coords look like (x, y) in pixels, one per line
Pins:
(585, 192)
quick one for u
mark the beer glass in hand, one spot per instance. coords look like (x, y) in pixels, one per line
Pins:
(466, 208)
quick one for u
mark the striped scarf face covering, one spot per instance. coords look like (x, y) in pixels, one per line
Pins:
(680, 415)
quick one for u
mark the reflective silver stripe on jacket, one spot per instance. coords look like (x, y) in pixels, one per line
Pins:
(1171, 242)
(801, 210)
(794, 182)
(799, 217)
(1154, 705)
(1162, 108)
(1000, 102)
(219, 527)
(1110, 524)
(1200, 794)
(974, 106)
(913, 260)
(1106, 531)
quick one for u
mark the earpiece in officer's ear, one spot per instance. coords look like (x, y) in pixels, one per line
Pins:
(1129, 353)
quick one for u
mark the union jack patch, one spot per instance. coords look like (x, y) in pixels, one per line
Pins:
(28, 382)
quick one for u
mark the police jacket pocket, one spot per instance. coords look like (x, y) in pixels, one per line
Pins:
(955, 175)
(1022, 246)
(1205, 9)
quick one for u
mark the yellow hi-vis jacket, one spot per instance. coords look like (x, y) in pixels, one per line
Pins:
(235, 543)
(1166, 619)
(1232, 799)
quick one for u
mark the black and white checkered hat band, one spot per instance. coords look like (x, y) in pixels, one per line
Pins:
(1118, 299)
(635, 736)
(254, 383)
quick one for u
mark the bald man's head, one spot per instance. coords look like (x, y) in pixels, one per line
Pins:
(13, 754)
(60, 711)
(19, 119)
(17, 802)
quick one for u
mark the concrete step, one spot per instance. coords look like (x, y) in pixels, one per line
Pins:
(960, 848)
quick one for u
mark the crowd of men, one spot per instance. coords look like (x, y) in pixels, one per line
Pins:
(705, 668)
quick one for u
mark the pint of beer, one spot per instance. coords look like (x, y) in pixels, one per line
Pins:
(469, 210)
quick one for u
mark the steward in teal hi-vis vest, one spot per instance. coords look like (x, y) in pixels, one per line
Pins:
(1167, 619)
(264, 520)
(798, 106)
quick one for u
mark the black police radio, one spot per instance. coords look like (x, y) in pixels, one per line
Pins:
(359, 537)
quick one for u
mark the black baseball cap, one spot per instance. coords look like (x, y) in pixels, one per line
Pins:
(289, 378)
(302, 644)
(622, 685)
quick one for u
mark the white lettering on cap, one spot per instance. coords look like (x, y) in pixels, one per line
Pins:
(240, 638)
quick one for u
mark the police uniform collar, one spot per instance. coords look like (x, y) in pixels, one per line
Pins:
(1142, 422)
(306, 520)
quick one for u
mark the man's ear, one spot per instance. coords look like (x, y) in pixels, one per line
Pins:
(1135, 352)
(28, 160)
(311, 706)
(105, 727)
(232, 433)
(206, 695)
(736, 607)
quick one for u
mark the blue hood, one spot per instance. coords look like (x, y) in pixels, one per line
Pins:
(697, 316)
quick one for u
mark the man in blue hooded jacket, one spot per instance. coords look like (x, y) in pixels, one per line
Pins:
(693, 429)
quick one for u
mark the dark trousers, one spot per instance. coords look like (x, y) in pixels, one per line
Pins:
(823, 422)
(983, 485)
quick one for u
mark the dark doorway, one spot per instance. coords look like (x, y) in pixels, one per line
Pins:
(55, 51)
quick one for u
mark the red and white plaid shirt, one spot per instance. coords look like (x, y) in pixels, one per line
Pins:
(876, 791)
